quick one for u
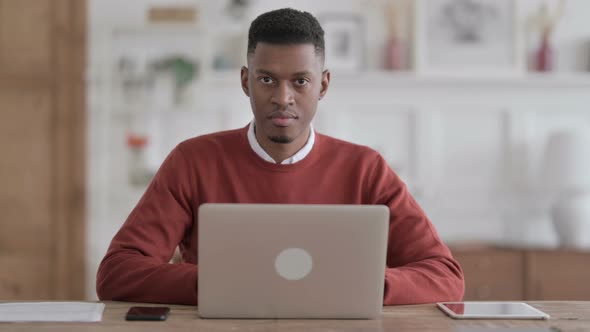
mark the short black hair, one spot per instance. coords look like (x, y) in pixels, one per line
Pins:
(286, 26)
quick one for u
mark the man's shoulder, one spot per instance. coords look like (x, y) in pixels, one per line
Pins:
(214, 140)
(336, 145)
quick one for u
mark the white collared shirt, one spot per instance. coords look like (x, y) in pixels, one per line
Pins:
(298, 156)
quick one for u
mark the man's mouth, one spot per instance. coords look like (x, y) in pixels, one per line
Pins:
(282, 119)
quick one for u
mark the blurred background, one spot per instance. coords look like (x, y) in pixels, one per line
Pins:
(481, 106)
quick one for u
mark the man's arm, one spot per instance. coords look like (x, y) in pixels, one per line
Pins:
(420, 267)
(136, 266)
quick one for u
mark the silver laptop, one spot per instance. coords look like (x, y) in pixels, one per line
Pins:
(292, 261)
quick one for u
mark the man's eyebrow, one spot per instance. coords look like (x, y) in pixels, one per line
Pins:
(265, 72)
(302, 73)
(297, 74)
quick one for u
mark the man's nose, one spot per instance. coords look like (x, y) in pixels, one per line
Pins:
(283, 94)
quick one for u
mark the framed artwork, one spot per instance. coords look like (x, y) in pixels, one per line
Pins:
(468, 38)
(344, 37)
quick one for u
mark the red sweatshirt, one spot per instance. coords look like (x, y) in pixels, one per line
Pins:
(223, 168)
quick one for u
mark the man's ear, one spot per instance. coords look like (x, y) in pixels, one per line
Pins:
(325, 83)
(244, 79)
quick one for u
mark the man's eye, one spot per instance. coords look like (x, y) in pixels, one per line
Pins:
(301, 82)
(266, 80)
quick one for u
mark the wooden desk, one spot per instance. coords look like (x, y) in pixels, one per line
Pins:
(568, 316)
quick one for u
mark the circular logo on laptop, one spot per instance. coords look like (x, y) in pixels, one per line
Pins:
(293, 263)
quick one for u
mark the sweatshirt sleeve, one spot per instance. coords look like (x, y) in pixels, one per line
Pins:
(420, 267)
(136, 266)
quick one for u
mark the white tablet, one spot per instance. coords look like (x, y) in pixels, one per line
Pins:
(491, 310)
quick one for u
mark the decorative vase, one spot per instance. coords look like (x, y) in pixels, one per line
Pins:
(544, 55)
(394, 54)
(571, 218)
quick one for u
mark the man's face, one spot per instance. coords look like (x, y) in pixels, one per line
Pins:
(284, 83)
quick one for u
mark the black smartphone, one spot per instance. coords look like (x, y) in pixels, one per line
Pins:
(147, 313)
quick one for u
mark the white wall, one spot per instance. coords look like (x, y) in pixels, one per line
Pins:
(469, 150)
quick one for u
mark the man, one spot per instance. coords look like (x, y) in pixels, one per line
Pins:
(278, 158)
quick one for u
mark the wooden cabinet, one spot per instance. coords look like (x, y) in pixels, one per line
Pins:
(558, 275)
(492, 274)
(42, 144)
(504, 274)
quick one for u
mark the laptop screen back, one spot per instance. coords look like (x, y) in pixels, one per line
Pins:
(291, 261)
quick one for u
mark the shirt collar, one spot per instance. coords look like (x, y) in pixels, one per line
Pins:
(298, 156)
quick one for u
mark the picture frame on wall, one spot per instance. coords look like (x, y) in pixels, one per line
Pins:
(468, 38)
(344, 36)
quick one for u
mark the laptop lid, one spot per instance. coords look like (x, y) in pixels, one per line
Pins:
(291, 261)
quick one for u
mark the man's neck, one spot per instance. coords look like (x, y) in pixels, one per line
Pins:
(281, 151)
